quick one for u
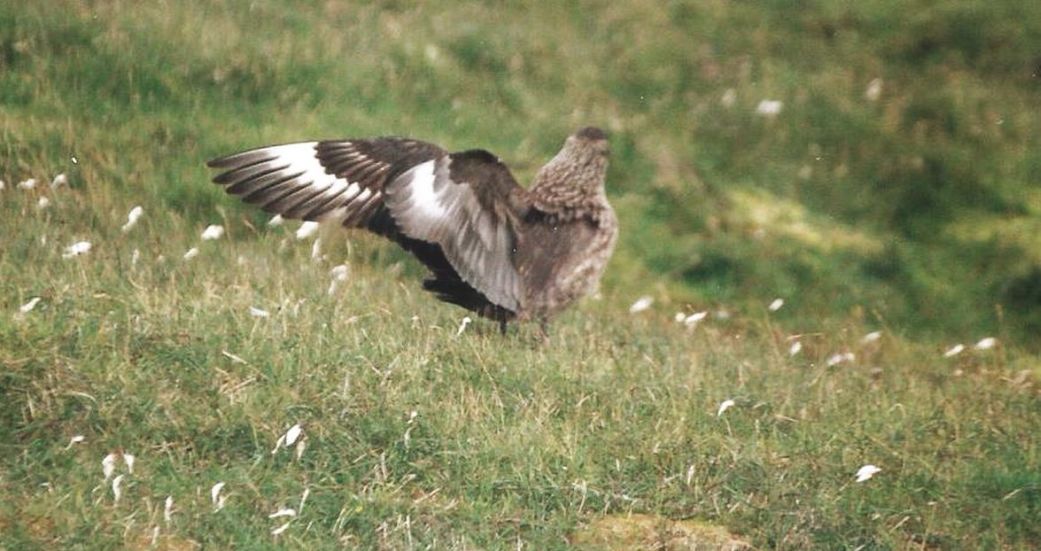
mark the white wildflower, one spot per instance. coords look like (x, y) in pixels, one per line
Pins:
(795, 348)
(871, 337)
(462, 325)
(283, 512)
(117, 488)
(307, 229)
(76, 249)
(723, 406)
(28, 306)
(168, 509)
(212, 232)
(258, 312)
(641, 304)
(27, 184)
(866, 472)
(132, 218)
(954, 350)
(59, 180)
(986, 343)
(129, 460)
(874, 90)
(43, 203)
(276, 220)
(769, 108)
(108, 465)
(776, 304)
(192, 253)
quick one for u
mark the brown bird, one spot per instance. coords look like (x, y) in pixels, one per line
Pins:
(492, 246)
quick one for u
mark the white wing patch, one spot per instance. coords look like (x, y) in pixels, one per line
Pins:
(425, 201)
(429, 206)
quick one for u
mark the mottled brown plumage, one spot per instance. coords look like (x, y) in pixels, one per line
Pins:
(492, 247)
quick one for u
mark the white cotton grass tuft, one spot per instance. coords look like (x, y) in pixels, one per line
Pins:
(776, 305)
(694, 319)
(871, 337)
(283, 512)
(840, 357)
(795, 348)
(307, 229)
(293, 433)
(59, 180)
(76, 249)
(289, 437)
(866, 472)
(132, 217)
(117, 488)
(108, 465)
(643, 303)
(213, 232)
(462, 325)
(259, 312)
(769, 108)
(192, 253)
(874, 90)
(216, 497)
(316, 250)
(276, 220)
(43, 203)
(954, 350)
(986, 343)
(27, 184)
(338, 276)
(28, 306)
(724, 406)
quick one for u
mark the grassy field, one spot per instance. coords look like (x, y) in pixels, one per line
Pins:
(914, 212)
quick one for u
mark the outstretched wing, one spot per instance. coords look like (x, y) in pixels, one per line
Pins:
(340, 180)
(468, 203)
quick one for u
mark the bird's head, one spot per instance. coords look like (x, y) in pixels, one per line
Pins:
(588, 143)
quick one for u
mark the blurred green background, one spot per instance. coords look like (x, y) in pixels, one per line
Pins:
(898, 182)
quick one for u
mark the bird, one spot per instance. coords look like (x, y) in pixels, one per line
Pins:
(503, 251)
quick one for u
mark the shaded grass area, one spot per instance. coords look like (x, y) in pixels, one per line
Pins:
(914, 213)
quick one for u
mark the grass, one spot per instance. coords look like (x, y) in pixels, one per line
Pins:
(913, 215)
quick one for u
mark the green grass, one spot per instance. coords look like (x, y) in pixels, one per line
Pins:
(916, 215)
